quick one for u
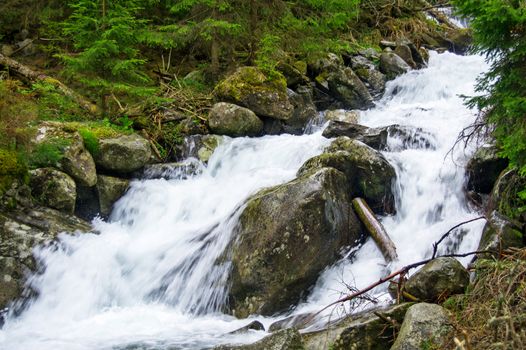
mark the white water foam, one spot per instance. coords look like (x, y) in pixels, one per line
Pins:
(153, 277)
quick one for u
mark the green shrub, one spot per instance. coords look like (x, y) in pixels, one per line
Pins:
(48, 154)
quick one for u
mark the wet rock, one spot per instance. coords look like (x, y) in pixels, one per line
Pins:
(347, 87)
(54, 189)
(364, 331)
(372, 137)
(425, 325)
(373, 79)
(232, 120)
(437, 280)
(287, 339)
(368, 173)
(251, 88)
(287, 235)
(110, 189)
(295, 321)
(76, 161)
(392, 65)
(123, 154)
(200, 146)
(404, 52)
(254, 325)
(500, 233)
(342, 115)
(304, 110)
(21, 230)
(484, 168)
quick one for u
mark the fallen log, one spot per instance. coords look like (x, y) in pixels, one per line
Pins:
(29, 75)
(375, 229)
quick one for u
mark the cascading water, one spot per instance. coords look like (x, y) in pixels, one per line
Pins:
(154, 275)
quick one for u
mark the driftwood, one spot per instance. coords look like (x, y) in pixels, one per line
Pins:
(29, 75)
(375, 229)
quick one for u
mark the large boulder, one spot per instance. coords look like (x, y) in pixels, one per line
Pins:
(409, 137)
(364, 331)
(437, 280)
(372, 137)
(233, 120)
(54, 189)
(251, 88)
(342, 115)
(75, 160)
(109, 190)
(404, 52)
(368, 173)
(20, 231)
(425, 326)
(304, 110)
(393, 65)
(123, 154)
(484, 168)
(287, 235)
(200, 146)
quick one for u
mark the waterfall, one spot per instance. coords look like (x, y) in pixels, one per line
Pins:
(154, 275)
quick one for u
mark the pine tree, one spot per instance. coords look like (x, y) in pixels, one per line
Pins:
(105, 37)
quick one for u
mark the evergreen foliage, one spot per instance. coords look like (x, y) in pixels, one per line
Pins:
(499, 28)
(105, 36)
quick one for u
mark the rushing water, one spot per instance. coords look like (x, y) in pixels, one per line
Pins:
(151, 277)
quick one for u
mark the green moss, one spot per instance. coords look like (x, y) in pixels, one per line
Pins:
(48, 154)
(12, 167)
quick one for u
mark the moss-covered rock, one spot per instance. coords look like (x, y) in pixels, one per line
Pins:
(12, 168)
(437, 280)
(346, 86)
(251, 88)
(369, 174)
(342, 115)
(425, 326)
(484, 168)
(286, 235)
(54, 189)
(500, 233)
(233, 120)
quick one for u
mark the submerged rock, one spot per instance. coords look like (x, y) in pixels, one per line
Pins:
(200, 146)
(425, 325)
(123, 154)
(287, 235)
(232, 120)
(287, 339)
(368, 173)
(54, 189)
(437, 280)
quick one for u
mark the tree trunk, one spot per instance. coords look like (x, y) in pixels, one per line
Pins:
(375, 229)
(28, 75)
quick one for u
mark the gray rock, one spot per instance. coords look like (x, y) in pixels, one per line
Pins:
(287, 339)
(342, 115)
(387, 44)
(392, 65)
(200, 146)
(347, 87)
(76, 161)
(368, 173)
(252, 326)
(373, 79)
(251, 88)
(329, 63)
(410, 138)
(287, 235)
(360, 62)
(304, 110)
(372, 137)
(425, 325)
(484, 168)
(20, 231)
(362, 331)
(123, 154)
(369, 53)
(168, 171)
(295, 321)
(110, 189)
(293, 75)
(405, 53)
(500, 233)
(437, 280)
(26, 46)
(54, 189)
(232, 120)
